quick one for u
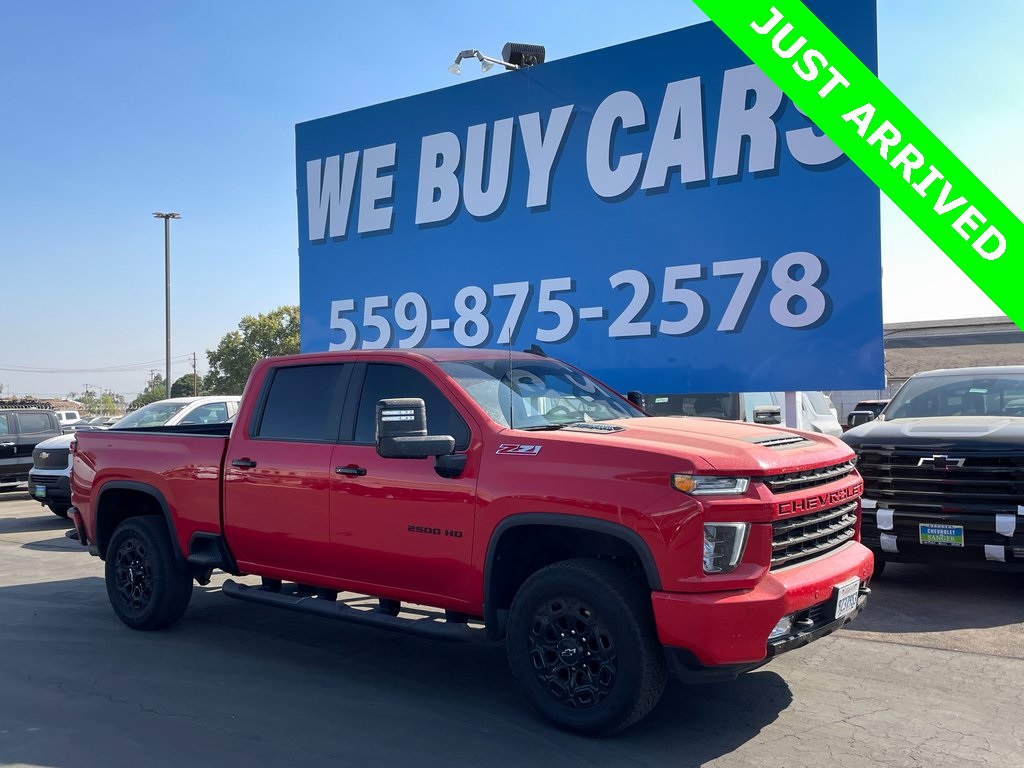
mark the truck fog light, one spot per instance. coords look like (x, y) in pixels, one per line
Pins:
(723, 546)
(783, 628)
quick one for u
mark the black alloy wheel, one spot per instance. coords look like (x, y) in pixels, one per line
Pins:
(572, 652)
(133, 574)
(583, 647)
(148, 583)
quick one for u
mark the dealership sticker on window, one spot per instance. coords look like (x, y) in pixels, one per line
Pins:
(877, 132)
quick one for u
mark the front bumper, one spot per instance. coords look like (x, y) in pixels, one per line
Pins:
(47, 489)
(731, 629)
(983, 545)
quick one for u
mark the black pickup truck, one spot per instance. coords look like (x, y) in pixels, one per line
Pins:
(943, 469)
(22, 427)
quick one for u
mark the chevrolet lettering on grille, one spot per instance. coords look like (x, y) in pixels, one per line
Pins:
(940, 462)
(821, 501)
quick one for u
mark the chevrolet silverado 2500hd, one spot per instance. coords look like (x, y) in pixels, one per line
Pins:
(514, 491)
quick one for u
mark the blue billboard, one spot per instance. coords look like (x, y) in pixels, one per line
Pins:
(657, 213)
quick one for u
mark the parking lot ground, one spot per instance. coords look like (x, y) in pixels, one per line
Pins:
(931, 674)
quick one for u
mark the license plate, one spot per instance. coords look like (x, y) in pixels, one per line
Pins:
(846, 599)
(40, 492)
(942, 535)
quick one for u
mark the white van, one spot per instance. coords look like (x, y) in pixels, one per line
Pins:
(756, 407)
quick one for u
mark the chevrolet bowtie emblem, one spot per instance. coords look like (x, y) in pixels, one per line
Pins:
(44, 455)
(941, 462)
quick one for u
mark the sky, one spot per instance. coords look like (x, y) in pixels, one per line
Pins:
(112, 110)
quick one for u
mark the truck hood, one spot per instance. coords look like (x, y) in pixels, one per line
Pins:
(724, 446)
(60, 441)
(942, 431)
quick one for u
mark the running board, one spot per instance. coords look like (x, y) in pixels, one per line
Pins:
(305, 603)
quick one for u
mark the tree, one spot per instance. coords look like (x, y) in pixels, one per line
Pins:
(112, 403)
(265, 335)
(155, 390)
(187, 386)
(105, 403)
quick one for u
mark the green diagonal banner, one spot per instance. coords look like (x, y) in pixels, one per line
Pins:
(878, 133)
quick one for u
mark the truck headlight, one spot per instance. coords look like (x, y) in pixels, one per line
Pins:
(723, 546)
(699, 485)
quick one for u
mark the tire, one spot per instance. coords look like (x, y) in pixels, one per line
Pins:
(60, 510)
(148, 587)
(879, 566)
(583, 647)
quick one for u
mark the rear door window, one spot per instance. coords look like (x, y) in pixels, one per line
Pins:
(34, 423)
(304, 403)
(5, 428)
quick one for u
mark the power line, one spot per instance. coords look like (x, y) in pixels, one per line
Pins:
(127, 367)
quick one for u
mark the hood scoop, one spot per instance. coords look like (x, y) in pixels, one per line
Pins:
(780, 441)
(594, 426)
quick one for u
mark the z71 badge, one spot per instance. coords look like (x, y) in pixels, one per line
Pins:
(519, 450)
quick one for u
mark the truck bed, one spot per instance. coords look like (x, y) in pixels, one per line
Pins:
(183, 463)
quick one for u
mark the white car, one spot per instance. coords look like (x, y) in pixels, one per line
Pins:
(49, 481)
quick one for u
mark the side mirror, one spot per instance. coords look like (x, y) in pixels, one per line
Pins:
(768, 414)
(856, 418)
(402, 431)
(636, 398)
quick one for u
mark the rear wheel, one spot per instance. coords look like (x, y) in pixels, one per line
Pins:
(148, 587)
(583, 647)
(60, 510)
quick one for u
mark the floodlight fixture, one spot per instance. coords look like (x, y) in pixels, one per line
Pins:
(523, 55)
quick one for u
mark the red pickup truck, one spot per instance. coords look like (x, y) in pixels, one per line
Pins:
(514, 491)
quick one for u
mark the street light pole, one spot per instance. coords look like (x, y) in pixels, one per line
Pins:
(167, 293)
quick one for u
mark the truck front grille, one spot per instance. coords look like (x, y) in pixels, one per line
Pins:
(798, 481)
(934, 480)
(52, 458)
(50, 481)
(798, 539)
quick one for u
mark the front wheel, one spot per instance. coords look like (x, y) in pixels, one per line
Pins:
(60, 510)
(148, 587)
(583, 647)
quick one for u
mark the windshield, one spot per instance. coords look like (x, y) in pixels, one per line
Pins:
(959, 395)
(818, 403)
(152, 415)
(537, 395)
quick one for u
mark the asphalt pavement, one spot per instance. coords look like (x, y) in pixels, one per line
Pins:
(931, 674)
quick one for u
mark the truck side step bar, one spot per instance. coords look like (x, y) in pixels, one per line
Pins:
(307, 603)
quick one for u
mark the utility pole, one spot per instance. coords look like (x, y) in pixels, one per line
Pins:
(167, 294)
(195, 377)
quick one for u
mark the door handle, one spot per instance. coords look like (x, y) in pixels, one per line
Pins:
(243, 463)
(351, 469)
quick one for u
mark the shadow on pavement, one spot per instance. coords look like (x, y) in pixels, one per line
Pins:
(57, 544)
(44, 521)
(249, 684)
(14, 493)
(925, 598)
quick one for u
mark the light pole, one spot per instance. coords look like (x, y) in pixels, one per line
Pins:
(167, 295)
